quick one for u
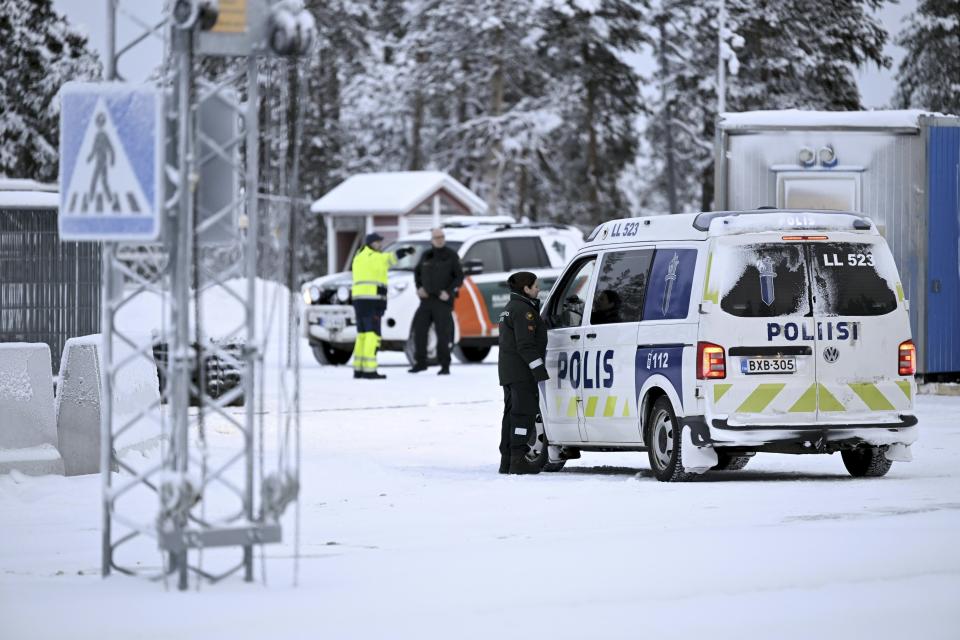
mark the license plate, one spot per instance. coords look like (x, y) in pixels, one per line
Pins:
(333, 322)
(768, 365)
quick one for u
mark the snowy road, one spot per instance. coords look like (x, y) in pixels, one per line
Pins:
(408, 532)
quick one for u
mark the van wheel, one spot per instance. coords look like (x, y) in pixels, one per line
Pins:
(729, 462)
(326, 353)
(469, 355)
(866, 462)
(663, 441)
(536, 459)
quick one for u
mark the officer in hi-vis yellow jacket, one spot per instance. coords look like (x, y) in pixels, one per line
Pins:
(369, 294)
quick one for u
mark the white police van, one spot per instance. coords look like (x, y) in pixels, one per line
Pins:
(706, 338)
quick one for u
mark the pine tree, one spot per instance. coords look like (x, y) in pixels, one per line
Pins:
(39, 52)
(600, 97)
(929, 75)
(780, 54)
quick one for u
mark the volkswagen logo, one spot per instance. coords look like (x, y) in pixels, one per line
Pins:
(831, 354)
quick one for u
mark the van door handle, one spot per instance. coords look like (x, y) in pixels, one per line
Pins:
(591, 335)
(575, 336)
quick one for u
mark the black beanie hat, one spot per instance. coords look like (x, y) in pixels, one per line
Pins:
(521, 279)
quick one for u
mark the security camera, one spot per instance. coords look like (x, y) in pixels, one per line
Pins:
(293, 29)
(188, 14)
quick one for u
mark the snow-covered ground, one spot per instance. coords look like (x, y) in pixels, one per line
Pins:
(407, 531)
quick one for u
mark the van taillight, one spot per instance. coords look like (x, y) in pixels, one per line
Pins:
(907, 358)
(711, 361)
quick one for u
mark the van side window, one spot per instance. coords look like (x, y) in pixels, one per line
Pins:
(671, 279)
(621, 286)
(566, 308)
(490, 253)
(763, 280)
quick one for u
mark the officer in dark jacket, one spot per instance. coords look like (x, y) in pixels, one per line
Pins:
(523, 347)
(438, 275)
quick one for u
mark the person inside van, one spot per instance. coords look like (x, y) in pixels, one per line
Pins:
(523, 349)
(606, 308)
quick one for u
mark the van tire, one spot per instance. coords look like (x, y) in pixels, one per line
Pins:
(537, 459)
(866, 462)
(663, 440)
(730, 462)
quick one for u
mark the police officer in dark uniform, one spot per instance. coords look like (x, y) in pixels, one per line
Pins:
(523, 347)
(437, 276)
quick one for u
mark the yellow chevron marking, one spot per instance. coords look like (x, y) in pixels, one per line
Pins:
(626, 408)
(720, 390)
(807, 403)
(572, 408)
(826, 401)
(610, 406)
(591, 409)
(899, 292)
(905, 387)
(559, 405)
(758, 400)
(707, 294)
(871, 396)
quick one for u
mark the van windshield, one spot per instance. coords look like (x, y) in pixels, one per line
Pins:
(772, 279)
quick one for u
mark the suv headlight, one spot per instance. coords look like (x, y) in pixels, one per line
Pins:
(396, 288)
(343, 294)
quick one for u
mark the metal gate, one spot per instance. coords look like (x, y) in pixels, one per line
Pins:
(49, 290)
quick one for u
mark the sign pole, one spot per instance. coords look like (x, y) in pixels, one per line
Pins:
(182, 226)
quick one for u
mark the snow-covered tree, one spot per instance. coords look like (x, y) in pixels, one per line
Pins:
(600, 99)
(779, 54)
(929, 75)
(39, 52)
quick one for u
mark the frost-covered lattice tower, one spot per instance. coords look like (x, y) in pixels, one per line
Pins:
(208, 505)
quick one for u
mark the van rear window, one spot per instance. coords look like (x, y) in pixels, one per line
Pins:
(847, 280)
(838, 278)
(764, 280)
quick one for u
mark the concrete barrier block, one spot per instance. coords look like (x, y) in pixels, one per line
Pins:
(79, 403)
(28, 434)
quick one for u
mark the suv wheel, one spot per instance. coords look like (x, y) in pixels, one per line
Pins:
(866, 462)
(469, 355)
(410, 350)
(663, 443)
(326, 353)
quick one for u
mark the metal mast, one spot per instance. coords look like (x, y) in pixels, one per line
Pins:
(201, 496)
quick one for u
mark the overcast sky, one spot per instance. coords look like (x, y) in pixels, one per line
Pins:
(876, 85)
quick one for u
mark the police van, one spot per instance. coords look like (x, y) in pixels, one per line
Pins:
(707, 338)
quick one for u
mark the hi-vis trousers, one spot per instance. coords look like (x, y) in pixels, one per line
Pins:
(369, 314)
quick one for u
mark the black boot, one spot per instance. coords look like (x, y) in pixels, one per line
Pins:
(373, 375)
(417, 368)
(357, 374)
(518, 462)
(444, 371)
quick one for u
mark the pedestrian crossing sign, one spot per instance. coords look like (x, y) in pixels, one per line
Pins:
(111, 162)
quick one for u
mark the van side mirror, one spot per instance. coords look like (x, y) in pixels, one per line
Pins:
(472, 267)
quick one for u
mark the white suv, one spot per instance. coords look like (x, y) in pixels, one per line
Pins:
(489, 249)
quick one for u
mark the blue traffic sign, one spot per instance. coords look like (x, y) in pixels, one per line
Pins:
(111, 162)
